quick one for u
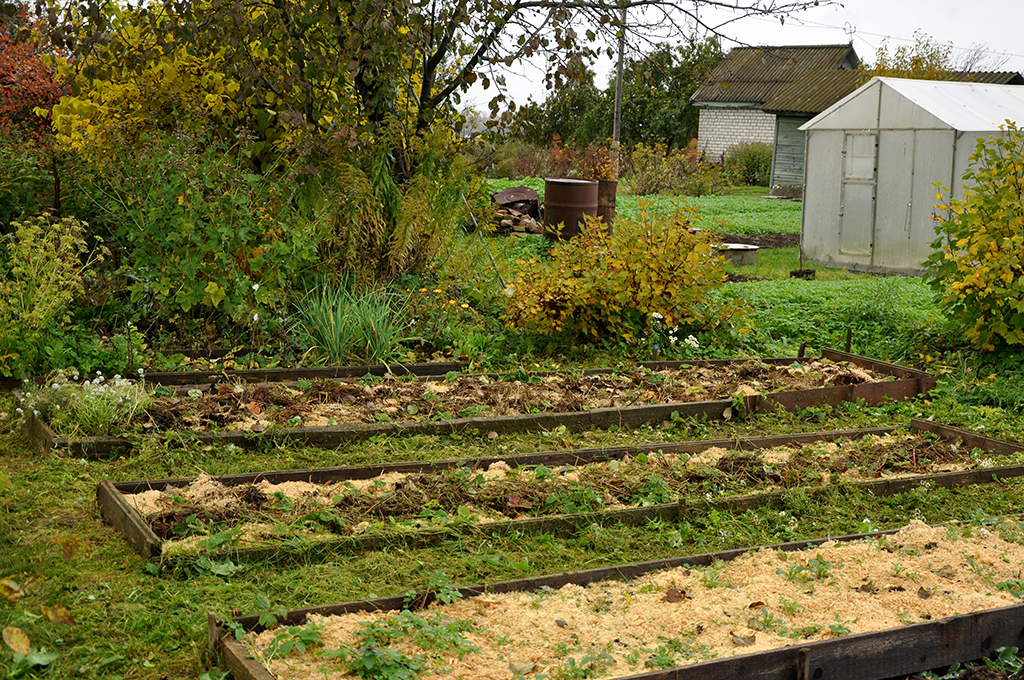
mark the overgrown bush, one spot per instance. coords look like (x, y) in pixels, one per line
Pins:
(977, 269)
(94, 407)
(42, 267)
(657, 169)
(648, 274)
(26, 187)
(200, 235)
(376, 228)
(750, 163)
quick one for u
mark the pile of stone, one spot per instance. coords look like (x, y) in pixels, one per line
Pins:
(516, 212)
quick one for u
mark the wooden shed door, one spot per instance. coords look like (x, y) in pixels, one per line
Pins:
(858, 194)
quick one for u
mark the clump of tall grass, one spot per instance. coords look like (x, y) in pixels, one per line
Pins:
(94, 407)
(342, 325)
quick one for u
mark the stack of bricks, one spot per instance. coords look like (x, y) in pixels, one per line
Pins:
(721, 128)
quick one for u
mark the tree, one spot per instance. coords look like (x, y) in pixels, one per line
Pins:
(26, 82)
(656, 107)
(374, 69)
(926, 59)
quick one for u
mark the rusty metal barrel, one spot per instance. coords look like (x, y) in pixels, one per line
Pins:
(606, 190)
(566, 201)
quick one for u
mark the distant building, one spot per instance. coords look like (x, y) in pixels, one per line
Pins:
(731, 99)
(810, 94)
(874, 157)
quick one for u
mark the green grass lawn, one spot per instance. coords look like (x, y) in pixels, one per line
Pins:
(743, 211)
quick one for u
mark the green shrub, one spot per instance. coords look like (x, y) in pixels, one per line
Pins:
(42, 266)
(201, 235)
(26, 188)
(648, 274)
(750, 163)
(977, 269)
(656, 169)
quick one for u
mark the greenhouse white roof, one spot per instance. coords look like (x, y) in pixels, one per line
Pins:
(935, 104)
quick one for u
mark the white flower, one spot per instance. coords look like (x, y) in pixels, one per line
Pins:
(657, 315)
(255, 286)
(18, 411)
(691, 341)
(255, 317)
(117, 376)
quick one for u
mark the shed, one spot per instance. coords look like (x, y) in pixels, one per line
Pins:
(730, 99)
(874, 157)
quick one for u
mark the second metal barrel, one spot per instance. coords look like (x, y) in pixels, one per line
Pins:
(566, 201)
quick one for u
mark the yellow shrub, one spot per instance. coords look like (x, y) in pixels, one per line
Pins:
(650, 272)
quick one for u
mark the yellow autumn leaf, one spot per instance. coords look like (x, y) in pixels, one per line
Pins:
(17, 640)
(57, 614)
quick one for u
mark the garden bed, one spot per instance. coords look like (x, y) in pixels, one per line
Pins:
(249, 415)
(865, 607)
(271, 515)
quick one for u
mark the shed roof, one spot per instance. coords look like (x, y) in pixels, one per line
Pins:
(756, 74)
(900, 103)
(813, 92)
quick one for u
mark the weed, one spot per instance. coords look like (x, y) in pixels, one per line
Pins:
(767, 621)
(296, 638)
(790, 606)
(839, 628)
(1007, 661)
(92, 407)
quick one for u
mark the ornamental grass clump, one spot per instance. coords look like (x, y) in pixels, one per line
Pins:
(977, 269)
(93, 407)
(650, 273)
(341, 325)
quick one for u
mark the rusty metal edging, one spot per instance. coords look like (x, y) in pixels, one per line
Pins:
(865, 656)
(120, 514)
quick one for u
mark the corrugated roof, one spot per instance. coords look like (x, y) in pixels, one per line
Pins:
(756, 74)
(813, 92)
(965, 106)
(993, 77)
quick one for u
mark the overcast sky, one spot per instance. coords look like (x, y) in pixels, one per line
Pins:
(997, 24)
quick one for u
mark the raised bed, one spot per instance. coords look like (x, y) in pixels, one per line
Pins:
(901, 383)
(123, 515)
(874, 655)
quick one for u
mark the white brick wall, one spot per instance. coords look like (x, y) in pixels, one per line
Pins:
(720, 128)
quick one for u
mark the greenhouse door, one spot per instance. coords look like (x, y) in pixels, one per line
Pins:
(858, 194)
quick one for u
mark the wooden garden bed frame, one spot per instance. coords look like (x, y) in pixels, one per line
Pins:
(895, 652)
(198, 378)
(906, 383)
(120, 514)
